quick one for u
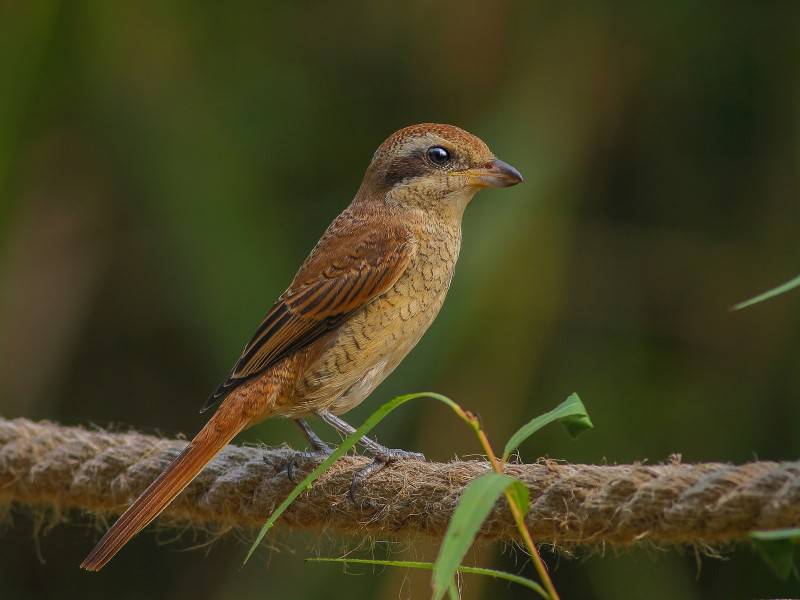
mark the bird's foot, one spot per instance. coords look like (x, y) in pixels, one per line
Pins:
(390, 455)
(317, 455)
(381, 459)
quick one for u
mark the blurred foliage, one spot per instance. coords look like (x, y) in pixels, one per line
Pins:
(778, 548)
(165, 167)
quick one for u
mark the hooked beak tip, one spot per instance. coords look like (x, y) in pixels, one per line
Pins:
(497, 174)
(510, 173)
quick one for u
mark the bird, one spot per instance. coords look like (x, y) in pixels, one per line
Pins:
(359, 303)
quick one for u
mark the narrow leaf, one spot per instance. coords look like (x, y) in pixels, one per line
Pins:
(777, 291)
(408, 564)
(346, 444)
(571, 413)
(777, 548)
(477, 501)
(520, 496)
(771, 535)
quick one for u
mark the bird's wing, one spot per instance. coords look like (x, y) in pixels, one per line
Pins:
(350, 266)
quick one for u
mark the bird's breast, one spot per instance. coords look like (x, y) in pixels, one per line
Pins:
(372, 342)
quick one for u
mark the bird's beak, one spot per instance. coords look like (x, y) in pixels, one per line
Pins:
(495, 174)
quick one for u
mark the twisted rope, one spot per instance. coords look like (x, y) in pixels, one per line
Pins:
(50, 466)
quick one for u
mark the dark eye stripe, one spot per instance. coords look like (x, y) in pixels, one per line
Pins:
(405, 167)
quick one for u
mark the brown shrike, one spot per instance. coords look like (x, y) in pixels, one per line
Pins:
(360, 302)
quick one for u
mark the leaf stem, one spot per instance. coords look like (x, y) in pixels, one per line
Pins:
(499, 467)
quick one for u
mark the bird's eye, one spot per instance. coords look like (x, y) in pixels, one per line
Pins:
(438, 155)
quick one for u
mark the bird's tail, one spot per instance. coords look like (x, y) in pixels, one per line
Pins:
(220, 430)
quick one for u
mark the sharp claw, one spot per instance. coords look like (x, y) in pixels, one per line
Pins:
(362, 475)
(381, 460)
(315, 455)
(290, 467)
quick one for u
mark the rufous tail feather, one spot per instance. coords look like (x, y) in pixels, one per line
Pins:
(220, 430)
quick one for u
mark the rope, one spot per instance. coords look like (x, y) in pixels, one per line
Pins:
(46, 465)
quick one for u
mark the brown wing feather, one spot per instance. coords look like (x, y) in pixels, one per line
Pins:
(350, 266)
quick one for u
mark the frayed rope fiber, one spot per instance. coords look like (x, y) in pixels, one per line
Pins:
(46, 465)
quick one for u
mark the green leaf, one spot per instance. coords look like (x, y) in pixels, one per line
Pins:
(520, 496)
(571, 413)
(777, 291)
(777, 548)
(771, 535)
(524, 581)
(477, 501)
(346, 444)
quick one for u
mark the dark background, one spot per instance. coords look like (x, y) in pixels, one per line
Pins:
(165, 167)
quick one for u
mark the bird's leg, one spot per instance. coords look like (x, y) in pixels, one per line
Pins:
(316, 442)
(374, 448)
(321, 449)
(381, 455)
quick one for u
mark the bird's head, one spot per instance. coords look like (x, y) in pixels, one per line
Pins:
(435, 167)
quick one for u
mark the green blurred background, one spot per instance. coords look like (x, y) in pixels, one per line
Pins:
(165, 167)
